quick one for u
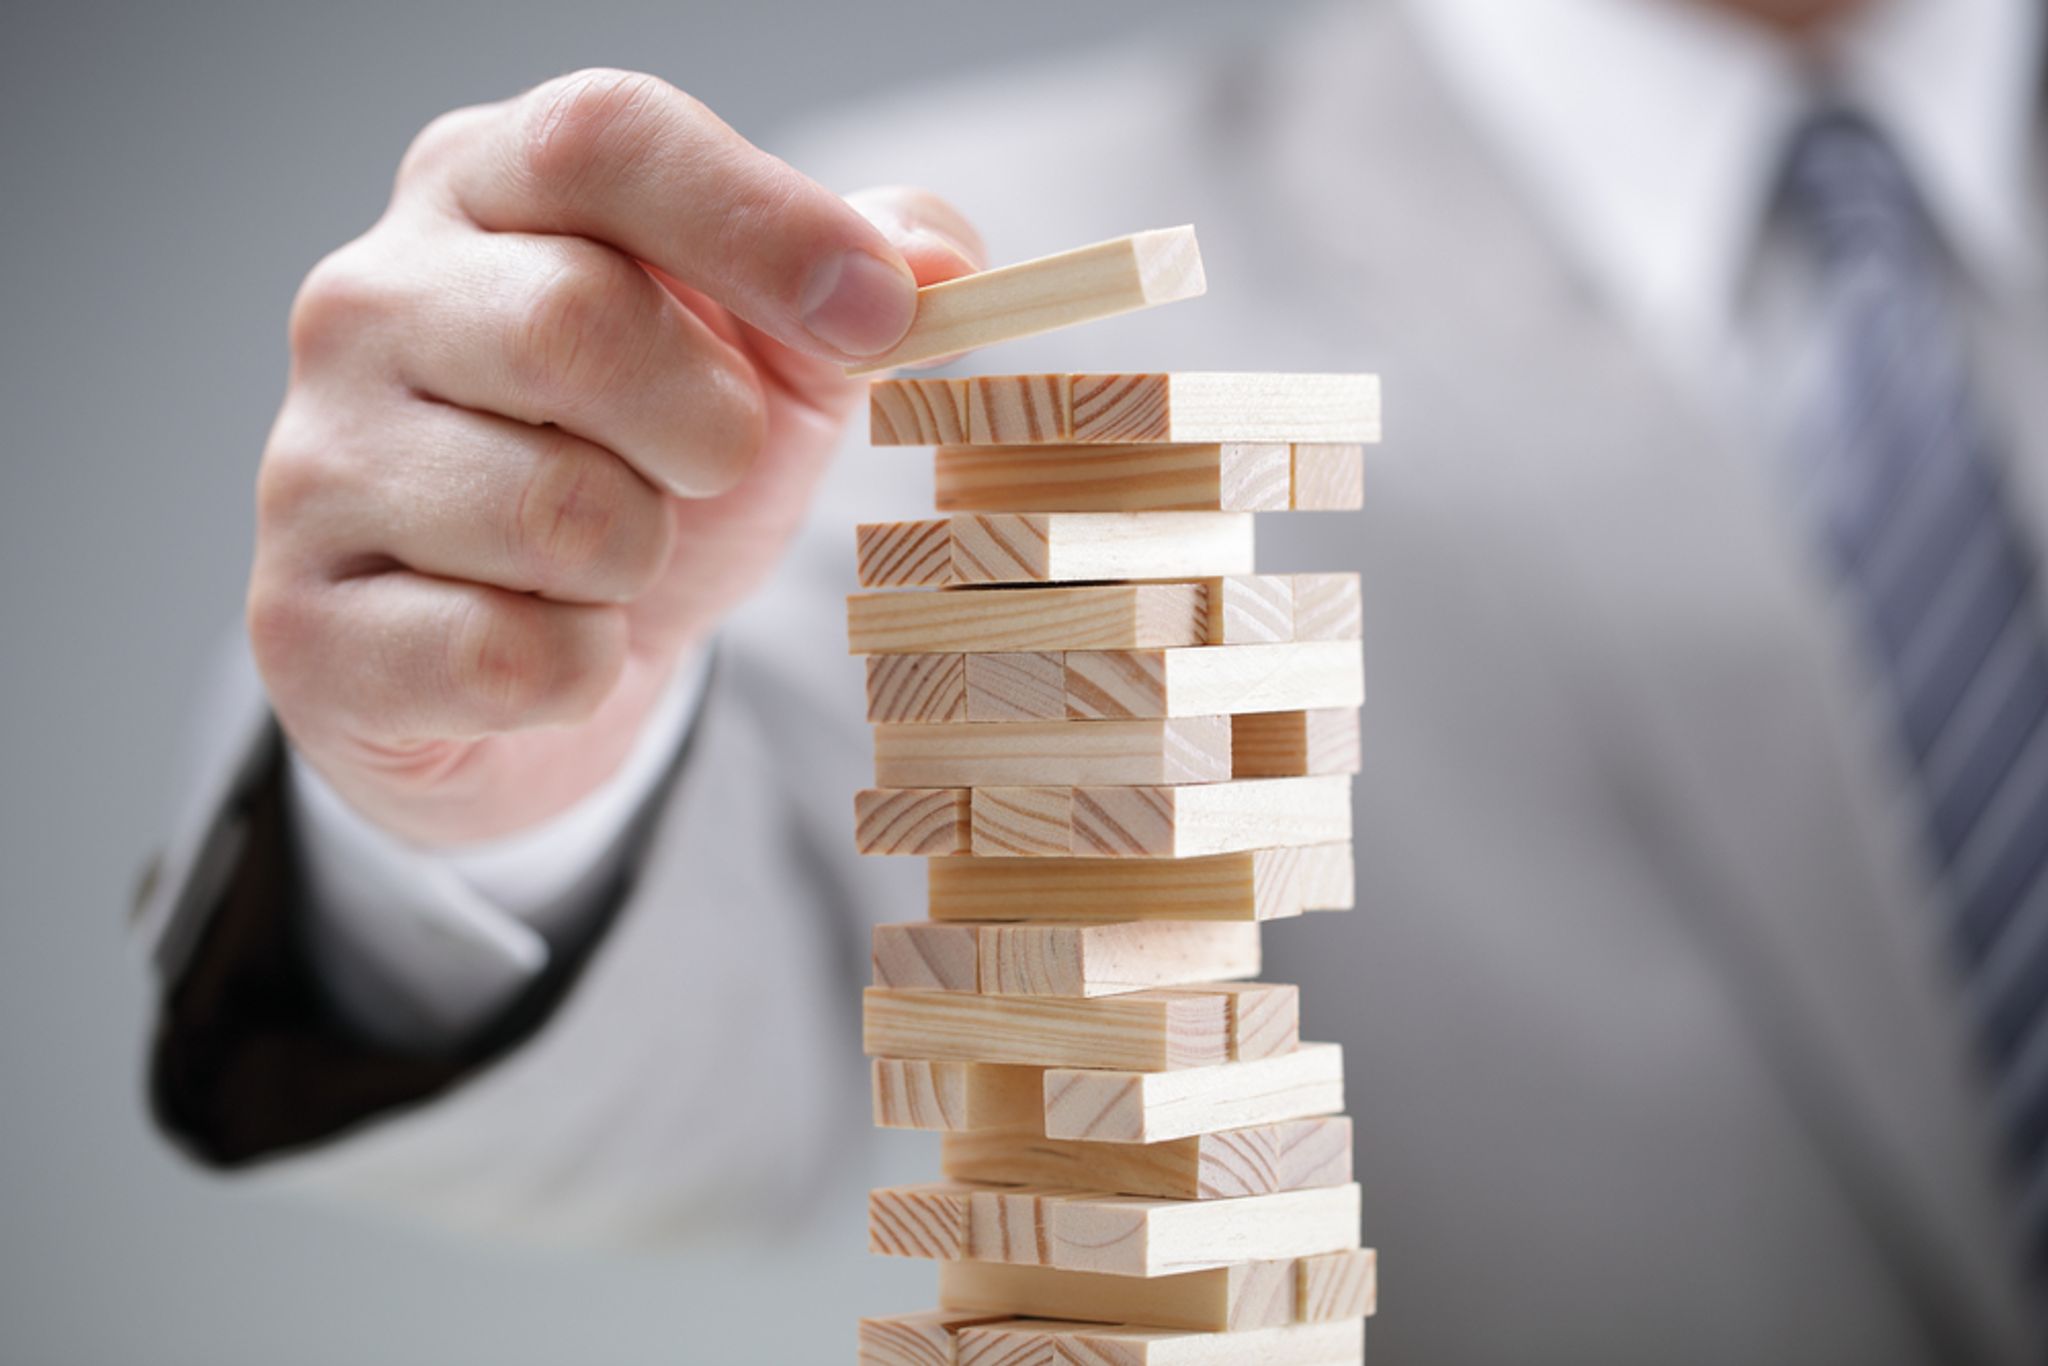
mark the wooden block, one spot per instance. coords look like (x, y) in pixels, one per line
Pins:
(1119, 1235)
(1016, 687)
(921, 956)
(1250, 609)
(1289, 744)
(1327, 607)
(1290, 1155)
(1223, 1299)
(1100, 280)
(1189, 749)
(917, 687)
(928, 821)
(1146, 409)
(1225, 407)
(1143, 1031)
(1210, 680)
(1111, 959)
(1024, 409)
(1122, 616)
(1265, 1017)
(1218, 477)
(1259, 884)
(1031, 1341)
(1052, 547)
(1337, 1285)
(1328, 478)
(921, 1339)
(1160, 822)
(917, 412)
(924, 1093)
(1328, 880)
(1142, 1107)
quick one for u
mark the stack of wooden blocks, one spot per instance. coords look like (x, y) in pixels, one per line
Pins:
(1121, 750)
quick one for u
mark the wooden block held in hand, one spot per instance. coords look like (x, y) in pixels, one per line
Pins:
(1258, 884)
(1117, 1234)
(1192, 749)
(929, 821)
(1120, 616)
(1294, 1154)
(1135, 1107)
(1288, 744)
(1143, 1031)
(957, 1097)
(1100, 280)
(1328, 478)
(1219, 477)
(1029, 686)
(917, 687)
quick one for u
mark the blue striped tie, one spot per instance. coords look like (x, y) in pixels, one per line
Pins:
(1901, 469)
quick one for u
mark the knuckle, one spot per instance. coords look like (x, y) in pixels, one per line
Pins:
(581, 523)
(575, 329)
(281, 625)
(579, 128)
(339, 300)
(733, 428)
(298, 472)
(435, 145)
(498, 662)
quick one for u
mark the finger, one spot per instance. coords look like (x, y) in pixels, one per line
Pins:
(400, 657)
(456, 494)
(564, 331)
(630, 160)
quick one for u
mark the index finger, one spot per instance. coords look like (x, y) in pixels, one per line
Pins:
(632, 161)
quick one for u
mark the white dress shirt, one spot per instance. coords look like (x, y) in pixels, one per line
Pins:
(1648, 132)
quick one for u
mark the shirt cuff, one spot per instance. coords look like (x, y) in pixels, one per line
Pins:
(419, 947)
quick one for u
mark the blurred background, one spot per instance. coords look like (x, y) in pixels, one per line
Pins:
(167, 175)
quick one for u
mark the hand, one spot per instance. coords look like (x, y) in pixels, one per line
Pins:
(548, 421)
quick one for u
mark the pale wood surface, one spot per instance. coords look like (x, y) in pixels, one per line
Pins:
(1259, 884)
(1153, 821)
(1061, 960)
(1192, 749)
(1143, 1031)
(1052, 547)
(929, 821)
(1100, 280)
(950, 1096)
(1327, 607)
(1264, 1020)
(1031, 1341)
(1250, 609)
(1337, 1285)
(1328, 477)
(917, 687)
(1134, 408)
(1290, 744)
(921, 1339)
(1116, 1234)
(1258, 1160)
(1126, 616)
(1017, 686)
(1151, 1107)
(1236, 1297)
(1218, 477)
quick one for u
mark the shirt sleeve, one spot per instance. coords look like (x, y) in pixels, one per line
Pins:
(419, 948)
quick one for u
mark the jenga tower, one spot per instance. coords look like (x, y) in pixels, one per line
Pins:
(1121, 750)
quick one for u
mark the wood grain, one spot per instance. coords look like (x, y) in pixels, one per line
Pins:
(1152, 821)
(1289, 744)
(1105, 1106)
(1337, 1285)
(1208, 680)
(925, 1338)
(928, 821)
(1027, 686)
(1258, 884)
(1129, 616)
(951, 1096)
(1115, 1234)
(1218, 477)
(1027, 1342)
(1258, 1160)
(1327, 477)
(1327, 607)
(1052, 547)
(1250, 609)
(1190, 749)
(1125, 409)
(1325, 1288)
(1061, 960)
(1142, 1031)
(1100, 280)
(917, 687)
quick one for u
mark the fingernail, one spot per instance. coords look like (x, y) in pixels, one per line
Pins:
(858, 304)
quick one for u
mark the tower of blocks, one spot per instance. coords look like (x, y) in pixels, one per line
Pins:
(1120, 749)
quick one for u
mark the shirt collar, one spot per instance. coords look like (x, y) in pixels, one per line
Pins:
(1650, 132)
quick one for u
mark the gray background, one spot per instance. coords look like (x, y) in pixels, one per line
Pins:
(167, 173)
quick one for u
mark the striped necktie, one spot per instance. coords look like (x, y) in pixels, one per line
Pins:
(1901, 470)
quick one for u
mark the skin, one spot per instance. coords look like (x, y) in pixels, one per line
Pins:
(548, 422)
(551, 419)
